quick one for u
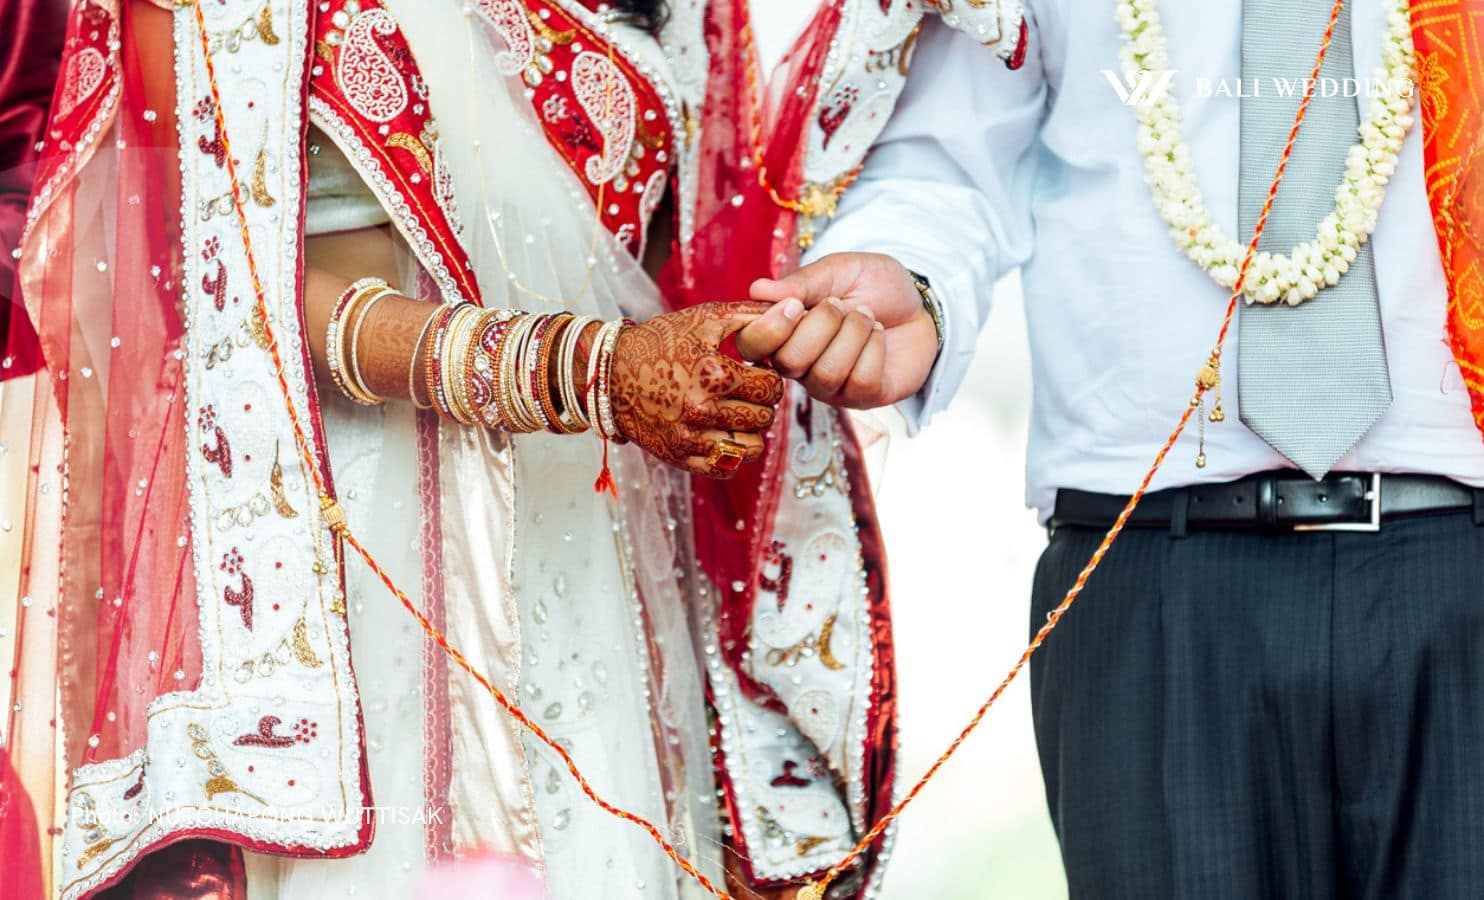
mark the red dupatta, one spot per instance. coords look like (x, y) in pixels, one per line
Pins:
(738, 523)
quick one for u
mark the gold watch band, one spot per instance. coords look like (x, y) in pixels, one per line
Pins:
(929, 302)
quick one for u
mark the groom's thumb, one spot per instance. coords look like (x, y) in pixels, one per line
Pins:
(829, 276)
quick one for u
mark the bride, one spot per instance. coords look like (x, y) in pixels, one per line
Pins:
(381, 274)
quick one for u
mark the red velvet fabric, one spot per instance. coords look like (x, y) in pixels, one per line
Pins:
(189, 870)
(29, 58)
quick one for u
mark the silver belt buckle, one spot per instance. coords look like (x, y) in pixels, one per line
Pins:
(1373, 496)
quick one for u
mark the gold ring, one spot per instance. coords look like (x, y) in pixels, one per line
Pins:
(726, 456)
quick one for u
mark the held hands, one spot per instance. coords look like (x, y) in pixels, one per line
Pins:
(850, 327)
(680, 399)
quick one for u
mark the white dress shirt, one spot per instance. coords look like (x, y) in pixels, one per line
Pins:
(982, 169)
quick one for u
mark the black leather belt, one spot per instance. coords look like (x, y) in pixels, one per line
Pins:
(1283, 500)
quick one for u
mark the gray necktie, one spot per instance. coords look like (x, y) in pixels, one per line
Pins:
(1312, 378)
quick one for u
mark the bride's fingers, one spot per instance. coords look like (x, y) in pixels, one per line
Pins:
(700, 441)
(730, 415)
(752, 384)
(726, 465)
(751, 444)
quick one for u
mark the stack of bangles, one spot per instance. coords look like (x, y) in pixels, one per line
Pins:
(490, 367)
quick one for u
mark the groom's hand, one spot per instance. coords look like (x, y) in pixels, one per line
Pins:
(850, 327)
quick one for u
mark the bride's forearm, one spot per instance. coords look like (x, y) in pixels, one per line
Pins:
(662, 384)
(386, 348)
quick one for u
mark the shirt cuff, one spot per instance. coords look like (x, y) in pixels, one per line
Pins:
(951, 286)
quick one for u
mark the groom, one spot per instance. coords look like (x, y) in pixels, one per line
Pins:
(1274, 685)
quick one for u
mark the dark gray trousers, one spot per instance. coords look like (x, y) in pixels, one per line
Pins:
(1242, 715)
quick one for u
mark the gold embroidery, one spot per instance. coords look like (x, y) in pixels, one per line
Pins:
(293, 646)
(826, 653)
(92, 831)
(255, 27)
(275, 489)
(220, 781)
(93, 850)
(404, 141)
(302, 651)
(548, 33)
(259, 328)
(828, 477)
(259, 184)
(265, 26)
(807, 646)
(648, 138)
(324, 51)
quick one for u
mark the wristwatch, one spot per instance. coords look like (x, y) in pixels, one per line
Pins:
(929, 302)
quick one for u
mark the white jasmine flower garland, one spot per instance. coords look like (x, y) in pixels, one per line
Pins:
(1170, 171)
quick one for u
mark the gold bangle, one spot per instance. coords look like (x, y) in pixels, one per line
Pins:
(522, 420)
(367, 396)
(412, 365)
(435, 371)
(542, 375)
(600, 408)
(453, 381)
(575, 420)
(486, 346)
(335, 332)
(465, 349)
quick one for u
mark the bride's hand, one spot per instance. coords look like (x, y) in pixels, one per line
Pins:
(677, 397)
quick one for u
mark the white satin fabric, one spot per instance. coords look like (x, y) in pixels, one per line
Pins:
(575, 603)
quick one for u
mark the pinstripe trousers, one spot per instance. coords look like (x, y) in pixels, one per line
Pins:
(1234, 715)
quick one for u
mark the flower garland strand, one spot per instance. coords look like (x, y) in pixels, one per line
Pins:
(1170, 169)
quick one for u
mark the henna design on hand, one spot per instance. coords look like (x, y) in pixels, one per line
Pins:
(671, 385)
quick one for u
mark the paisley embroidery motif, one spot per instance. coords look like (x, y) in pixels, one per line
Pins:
(85, 72)
(443, 188)
(608, 99)
(366, 75)
(399, 156)
(508, 17)
(654, 194)
(264, 736)
(221, 454)
(833, 111)
(233, 564)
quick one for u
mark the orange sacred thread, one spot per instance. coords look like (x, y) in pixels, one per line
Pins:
(814, 890)
(335, 517)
